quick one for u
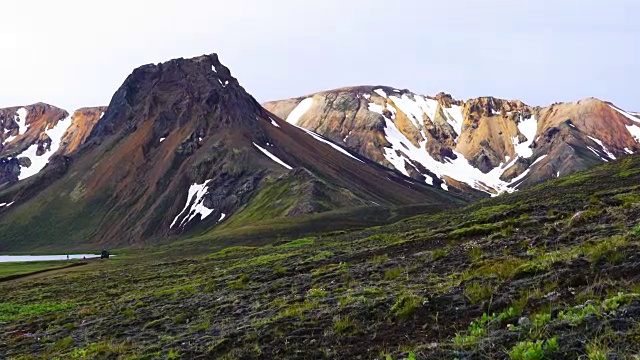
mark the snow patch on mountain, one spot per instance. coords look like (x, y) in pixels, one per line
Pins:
(300, 110)
(272, 157)
(604, 148)
(627, 115)
(416, 107)
(328, 142)
(380, 92)
(195, 198)
(402, 152)
(22, 120)
(39, 162)
(455, 118)
(528, 128)
(634, 130)
(273, 122)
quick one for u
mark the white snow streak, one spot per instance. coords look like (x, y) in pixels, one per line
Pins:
(593, 150)
(538, 160)
(380, 92)
(301, 109)
(634, 130)
(376, 108)
(273, 122)
(627, 115)
(528, 128)
(162, 139)
(222, 216)
(22, 120)
(455, 118)
(597, 141)
(322, 139)
(414, 108)
(196, 199)
(272, 157)
(39, 162)
(346, 137)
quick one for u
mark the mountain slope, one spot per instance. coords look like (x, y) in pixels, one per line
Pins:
(487, 144)
(183, 147)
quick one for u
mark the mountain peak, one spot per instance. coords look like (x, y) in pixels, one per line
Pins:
(172, 91)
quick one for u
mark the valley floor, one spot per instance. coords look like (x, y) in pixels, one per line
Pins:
(551, 272)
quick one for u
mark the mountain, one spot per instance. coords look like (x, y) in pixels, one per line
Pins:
(183, 147)
(484, 144)
(32, 134)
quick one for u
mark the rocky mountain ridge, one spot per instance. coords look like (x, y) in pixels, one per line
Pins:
(486, 144)
(32, 134)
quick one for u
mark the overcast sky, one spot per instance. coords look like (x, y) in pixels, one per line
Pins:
(77, 53)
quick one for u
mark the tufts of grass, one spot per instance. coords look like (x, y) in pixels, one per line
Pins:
(239, 283)
(439, 253)
(539, 350)
(317, 293)
(393, 274)
(322, 255)
(607, 249)
(380, 259)
(475, 253)
(596, 350)
(342, 325)
(476, 291)
(405, 305)
(262, 260)
(501, 268)
(173, 354)
(298, 243)
(475, 230)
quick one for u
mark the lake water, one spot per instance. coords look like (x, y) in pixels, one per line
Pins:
(21, 258)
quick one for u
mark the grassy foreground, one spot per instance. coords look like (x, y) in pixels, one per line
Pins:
(548, 273)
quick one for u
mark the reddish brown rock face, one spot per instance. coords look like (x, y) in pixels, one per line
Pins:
(487, 144)
(82, 122)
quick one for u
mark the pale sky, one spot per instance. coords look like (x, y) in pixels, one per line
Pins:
(77, 53)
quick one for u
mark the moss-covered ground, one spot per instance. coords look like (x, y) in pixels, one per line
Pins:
(552, 272)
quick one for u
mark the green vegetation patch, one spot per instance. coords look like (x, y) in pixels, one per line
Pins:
(298, 243)
(12, 311)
